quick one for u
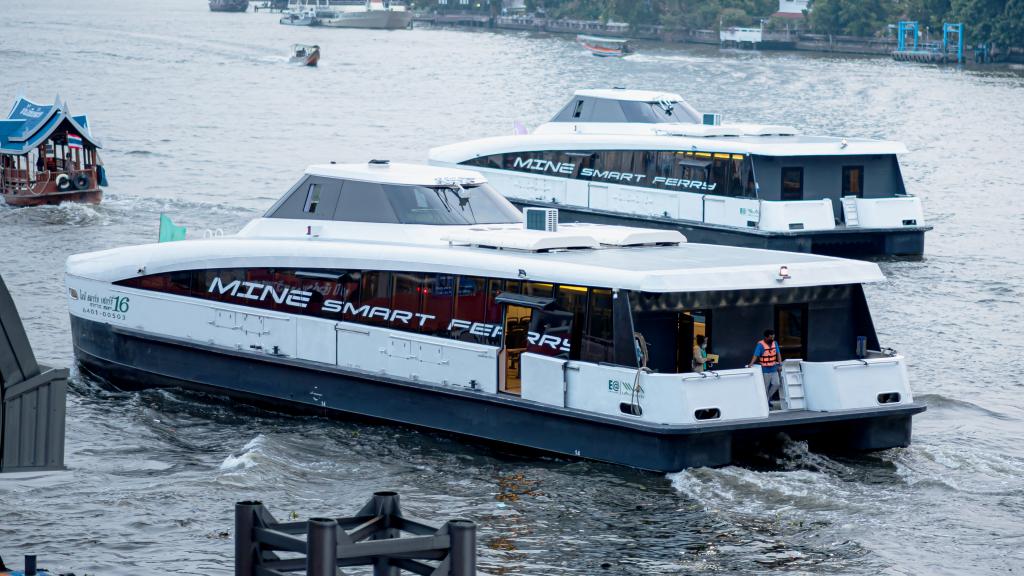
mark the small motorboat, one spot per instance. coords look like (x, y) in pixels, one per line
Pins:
(305, 55)
(305, 17)
(604, 47)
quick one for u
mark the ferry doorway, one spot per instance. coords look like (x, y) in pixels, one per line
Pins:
(518, 314)
(791, 330)
(670, 338)
(516, 331)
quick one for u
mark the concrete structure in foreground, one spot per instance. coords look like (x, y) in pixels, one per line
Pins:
(32, 400)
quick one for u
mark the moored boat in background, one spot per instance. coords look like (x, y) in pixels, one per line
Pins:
(48, 156)
(229, 5)
(303, 17)
(368, 14)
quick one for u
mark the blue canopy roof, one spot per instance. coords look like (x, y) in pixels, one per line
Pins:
(29, 124)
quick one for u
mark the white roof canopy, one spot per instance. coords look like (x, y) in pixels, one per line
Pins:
(397, 173)
(681, 268)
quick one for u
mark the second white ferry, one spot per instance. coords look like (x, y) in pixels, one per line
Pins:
(646, 158)
(415, 294)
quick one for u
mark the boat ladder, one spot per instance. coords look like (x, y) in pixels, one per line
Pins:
(850, 211)
(793, 397)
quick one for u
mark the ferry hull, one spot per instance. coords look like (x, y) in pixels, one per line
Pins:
(53, 198)
(849, 242)
(132, 359)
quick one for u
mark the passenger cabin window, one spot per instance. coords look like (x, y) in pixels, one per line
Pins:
(598, 345)
(718, 174)
(578, 110)
(312, 198)
(853, 181)
(792, 183)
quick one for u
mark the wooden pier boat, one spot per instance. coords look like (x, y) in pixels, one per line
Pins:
(605, 47)
(48, 156)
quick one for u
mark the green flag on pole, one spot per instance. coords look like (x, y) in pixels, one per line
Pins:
(169, 232)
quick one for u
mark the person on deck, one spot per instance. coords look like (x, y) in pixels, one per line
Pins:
(700, 354)
(766, 353)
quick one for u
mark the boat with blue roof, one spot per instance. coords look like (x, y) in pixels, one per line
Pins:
(48, 156)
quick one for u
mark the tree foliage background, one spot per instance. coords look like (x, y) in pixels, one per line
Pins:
(999, 21)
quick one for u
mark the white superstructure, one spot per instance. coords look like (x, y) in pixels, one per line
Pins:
(649, 154)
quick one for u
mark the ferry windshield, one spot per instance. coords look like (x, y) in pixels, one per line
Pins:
(447, 205)
(587, 109)
(655, 112)
(318, 198)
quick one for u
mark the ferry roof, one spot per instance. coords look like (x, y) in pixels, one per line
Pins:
(396, 173)
(29, 124)
(771, 145)
(629, 95)
(682, 268)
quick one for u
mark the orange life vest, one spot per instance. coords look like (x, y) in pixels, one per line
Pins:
(770, 356)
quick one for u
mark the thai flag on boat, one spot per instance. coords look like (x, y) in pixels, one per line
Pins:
(74, 141)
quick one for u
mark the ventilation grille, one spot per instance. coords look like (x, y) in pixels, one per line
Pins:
(545, 219)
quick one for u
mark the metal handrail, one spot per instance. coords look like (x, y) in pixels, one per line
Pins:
(874, 362)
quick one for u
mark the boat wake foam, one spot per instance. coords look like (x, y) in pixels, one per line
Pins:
(247, 457)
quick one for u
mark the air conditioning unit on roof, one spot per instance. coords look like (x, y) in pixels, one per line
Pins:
(545, 219)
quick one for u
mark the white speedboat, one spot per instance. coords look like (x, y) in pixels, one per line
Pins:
(416, 294)
(647, 158)
(304, 55)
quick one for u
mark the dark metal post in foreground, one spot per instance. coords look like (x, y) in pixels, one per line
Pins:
(373, 537)
(388, 505)
(463, 550)
(245, 547)
(321, 547)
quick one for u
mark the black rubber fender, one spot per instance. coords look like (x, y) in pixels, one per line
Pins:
(80, 181)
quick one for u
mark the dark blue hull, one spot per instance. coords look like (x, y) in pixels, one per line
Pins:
(136, 360)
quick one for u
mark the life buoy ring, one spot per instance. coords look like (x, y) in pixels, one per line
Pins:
(80, 181)
(63, 182)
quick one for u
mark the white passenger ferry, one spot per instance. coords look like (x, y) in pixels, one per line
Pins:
(649, 159)
(416, 294)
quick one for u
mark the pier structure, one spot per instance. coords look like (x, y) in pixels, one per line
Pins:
(909, 47)
(950, 31)
(373, 537)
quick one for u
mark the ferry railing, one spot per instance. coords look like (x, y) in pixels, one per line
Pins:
(370, 538)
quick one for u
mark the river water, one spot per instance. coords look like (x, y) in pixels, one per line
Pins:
(203, 120)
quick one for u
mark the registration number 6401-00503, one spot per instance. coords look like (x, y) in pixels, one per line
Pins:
(111, 307)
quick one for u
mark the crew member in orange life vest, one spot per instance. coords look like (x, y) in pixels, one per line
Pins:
(766, 353)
